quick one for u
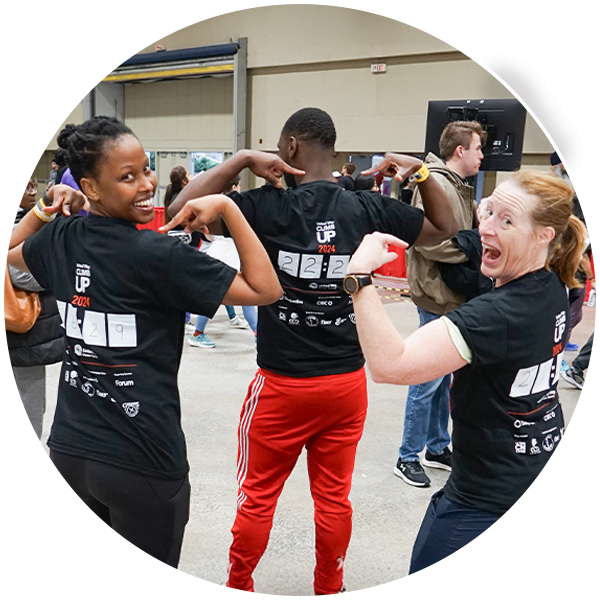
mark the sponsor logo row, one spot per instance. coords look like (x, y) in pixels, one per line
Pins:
(536, 446)
(313, 320)
(87, 387)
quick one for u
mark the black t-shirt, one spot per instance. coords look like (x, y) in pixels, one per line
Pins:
(346, 182)
(122, 294)
(506, 414)
(310, 232)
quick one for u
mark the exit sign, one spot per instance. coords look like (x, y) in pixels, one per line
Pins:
(379, 68)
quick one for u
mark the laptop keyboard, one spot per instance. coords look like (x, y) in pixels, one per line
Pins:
(499, 571)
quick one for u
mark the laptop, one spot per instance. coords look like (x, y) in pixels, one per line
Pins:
(565, 568)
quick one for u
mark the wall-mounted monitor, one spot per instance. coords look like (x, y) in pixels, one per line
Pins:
(504, 121)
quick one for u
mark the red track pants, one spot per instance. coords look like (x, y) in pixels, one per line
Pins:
(280, 416)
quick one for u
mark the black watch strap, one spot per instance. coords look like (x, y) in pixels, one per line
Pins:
(354, 282)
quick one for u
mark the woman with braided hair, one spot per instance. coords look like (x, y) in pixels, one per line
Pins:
(122, 295)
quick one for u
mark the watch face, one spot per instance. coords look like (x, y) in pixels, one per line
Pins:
(350, 285)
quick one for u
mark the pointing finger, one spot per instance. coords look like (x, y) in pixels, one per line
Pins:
(176, 220)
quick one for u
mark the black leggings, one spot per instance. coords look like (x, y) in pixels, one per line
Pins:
(150, 513)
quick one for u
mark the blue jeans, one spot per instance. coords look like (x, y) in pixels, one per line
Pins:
(446, 528)
(427, 412)
(250, 314)
(201, 322)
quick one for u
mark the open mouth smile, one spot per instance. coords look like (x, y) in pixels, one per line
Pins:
(490, 254)
(144, 204)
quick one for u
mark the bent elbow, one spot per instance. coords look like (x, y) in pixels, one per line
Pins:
(275, 295)
(385, 372)
(377, 377)
(452, 227)
(379, 374)
(448, 231)
(270, 296)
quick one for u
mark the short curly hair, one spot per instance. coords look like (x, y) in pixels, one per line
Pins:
(311, 125)
(85, 144)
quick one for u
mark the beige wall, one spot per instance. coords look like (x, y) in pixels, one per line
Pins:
(194, 114)
(303, 55)
(321, 55)
(372, 112)
(297, 34)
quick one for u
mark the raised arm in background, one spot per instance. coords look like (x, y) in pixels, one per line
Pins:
(263, 164)
(440, 223)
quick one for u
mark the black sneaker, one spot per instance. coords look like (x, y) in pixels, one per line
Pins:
(439, 461)
(412, 473)
(573, 377)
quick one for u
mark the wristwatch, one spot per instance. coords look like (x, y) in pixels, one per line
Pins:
(353, 283)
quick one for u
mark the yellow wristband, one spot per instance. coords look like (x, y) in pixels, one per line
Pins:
(44, 200)
(38, 209)
(421, 175)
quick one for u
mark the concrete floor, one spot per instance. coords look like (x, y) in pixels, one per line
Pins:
(387, 512)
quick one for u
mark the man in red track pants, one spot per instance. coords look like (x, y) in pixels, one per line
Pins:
(310, 389)
(273, 431)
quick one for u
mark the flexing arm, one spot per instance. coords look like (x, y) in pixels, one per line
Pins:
(257, 283)
(268, 166)
(425, 355)
(440, 223)
(63, 199)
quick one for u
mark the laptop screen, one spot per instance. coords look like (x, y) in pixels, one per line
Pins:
(578, 545)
